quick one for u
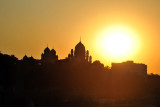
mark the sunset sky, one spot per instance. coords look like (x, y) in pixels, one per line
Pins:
(27, 26)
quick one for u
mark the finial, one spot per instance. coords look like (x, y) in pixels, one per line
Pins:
(47, 44)
(80, 38)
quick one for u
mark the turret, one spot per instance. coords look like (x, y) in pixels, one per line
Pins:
(87, 55)
(90, 59)
(71, 53)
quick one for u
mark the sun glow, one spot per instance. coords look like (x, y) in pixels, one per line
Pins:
(118, 42)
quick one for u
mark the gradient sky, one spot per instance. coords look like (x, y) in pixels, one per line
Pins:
(27, 26)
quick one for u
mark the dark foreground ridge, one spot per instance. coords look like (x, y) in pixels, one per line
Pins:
(75, 82)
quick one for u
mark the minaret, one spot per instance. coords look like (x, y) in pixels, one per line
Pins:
(69, 56)
(87, 55)
(71, 53)
(90, 59)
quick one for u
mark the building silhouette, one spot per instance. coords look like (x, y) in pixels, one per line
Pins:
(129, 67)
(49, 56)
(74, 80)
(80, 51)
(80, 54)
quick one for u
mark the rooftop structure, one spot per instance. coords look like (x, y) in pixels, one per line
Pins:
(129, 67)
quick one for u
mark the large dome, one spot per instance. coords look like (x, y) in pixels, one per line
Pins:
(53, 51)
(80, 51)
(46, 49)
(80, 46)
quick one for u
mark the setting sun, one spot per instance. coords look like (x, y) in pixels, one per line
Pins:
(118, 42)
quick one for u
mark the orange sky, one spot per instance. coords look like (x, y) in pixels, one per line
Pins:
(27, 26)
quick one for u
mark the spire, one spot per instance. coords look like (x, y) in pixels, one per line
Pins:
(80, 38)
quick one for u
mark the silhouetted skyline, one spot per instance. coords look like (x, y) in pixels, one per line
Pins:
(79, 53)
(28, 26)
(75, 80)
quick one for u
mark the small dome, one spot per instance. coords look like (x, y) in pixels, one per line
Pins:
(53, 51)
(80, 46)
(31, 57)
(25, 57)
(46, 49)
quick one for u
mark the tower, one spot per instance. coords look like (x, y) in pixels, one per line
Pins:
(87, 55)
(71, 53)
(90, 59)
